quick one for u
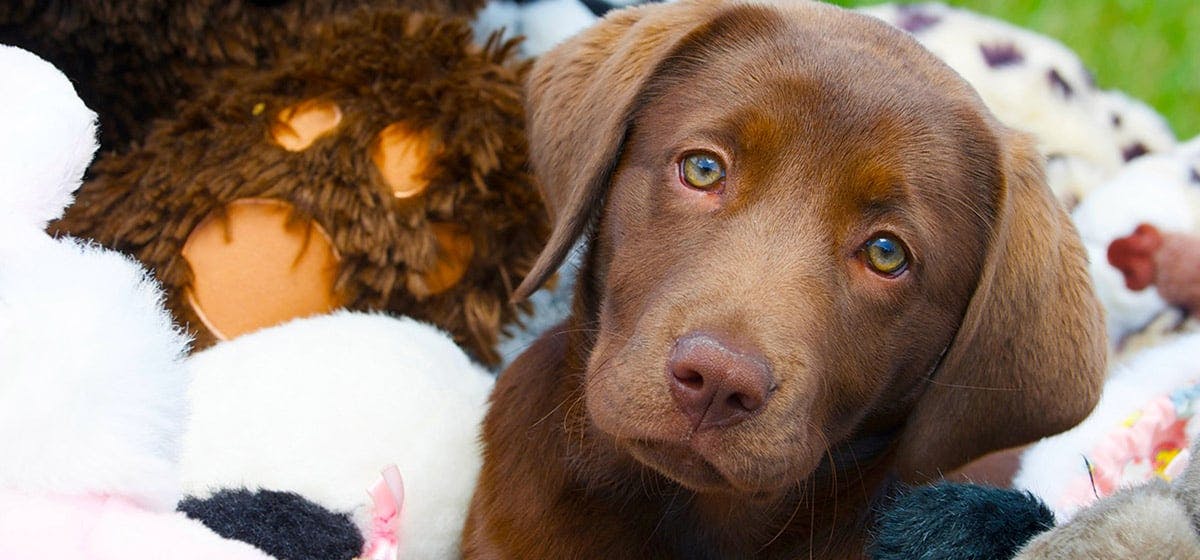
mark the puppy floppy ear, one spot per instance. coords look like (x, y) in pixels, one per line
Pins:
(580, 97)
(1029, 358)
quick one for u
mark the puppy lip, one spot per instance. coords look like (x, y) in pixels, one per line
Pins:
(680, 463)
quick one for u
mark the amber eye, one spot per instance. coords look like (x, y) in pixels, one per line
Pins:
(702, 170)
(885, 255)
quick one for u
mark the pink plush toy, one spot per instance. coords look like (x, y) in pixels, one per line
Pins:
(92, 381)
(99, 527)
(1169, 261)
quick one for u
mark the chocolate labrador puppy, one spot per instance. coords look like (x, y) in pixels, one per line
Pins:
(817, 265)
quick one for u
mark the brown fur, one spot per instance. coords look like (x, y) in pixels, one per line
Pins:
(1147, 521)
(380, 67)
(133, 60)
(834, 127)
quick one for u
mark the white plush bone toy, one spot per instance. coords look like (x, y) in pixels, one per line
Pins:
(92, 382)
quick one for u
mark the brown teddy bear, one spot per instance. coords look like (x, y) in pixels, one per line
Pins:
(379, 165)
(134, 60)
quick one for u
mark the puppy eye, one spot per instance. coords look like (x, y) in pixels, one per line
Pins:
(885, 254)
(701, 170)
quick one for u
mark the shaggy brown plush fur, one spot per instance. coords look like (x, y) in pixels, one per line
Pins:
(380, 67)
(133, 60)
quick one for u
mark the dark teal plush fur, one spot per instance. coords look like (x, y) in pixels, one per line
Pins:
(950, 521)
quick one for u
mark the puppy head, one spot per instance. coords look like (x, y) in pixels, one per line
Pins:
(808, 233)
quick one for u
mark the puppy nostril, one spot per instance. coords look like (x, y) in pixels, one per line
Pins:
(744, 402)
(690, 378)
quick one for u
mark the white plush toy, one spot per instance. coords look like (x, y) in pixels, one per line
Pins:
(319, 406)
(1141, 430)
(91, 376)
(1159, 189)
(1034, 83)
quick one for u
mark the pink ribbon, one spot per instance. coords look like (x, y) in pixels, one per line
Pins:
(383, 540)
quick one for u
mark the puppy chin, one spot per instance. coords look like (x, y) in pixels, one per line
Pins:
(681, 464)
(725, 471)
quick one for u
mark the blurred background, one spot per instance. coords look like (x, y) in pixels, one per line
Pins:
(1148, 49)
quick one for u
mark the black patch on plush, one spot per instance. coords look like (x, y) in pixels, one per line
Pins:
(282, 524)
(1195, 176)
(1059, 83)
(1116, 120)
(1001, 54)
(1134, 151)
(597, 7)
(950, 521)
(602, 7)
(913, 19)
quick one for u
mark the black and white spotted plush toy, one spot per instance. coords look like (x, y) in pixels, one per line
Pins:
(1034, 83)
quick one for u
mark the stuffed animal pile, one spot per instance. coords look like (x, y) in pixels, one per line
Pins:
(278, 438)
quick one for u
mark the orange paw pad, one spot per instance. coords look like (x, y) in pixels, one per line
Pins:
(402, 157)
(298, 126)
(455, 250)
(257, 265)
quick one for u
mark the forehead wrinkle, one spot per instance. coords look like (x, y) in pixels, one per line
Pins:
(886, 205)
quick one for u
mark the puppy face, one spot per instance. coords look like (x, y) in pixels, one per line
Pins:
(781, 258)
(810, 240)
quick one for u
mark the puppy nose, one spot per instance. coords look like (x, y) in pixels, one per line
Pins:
(714, 384)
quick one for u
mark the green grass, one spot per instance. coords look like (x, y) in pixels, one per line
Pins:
(1149, 49)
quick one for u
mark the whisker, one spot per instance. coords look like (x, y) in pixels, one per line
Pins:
(974, 387)
(833, 469)
(812, 524)
(663, 517)
(792, 517)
